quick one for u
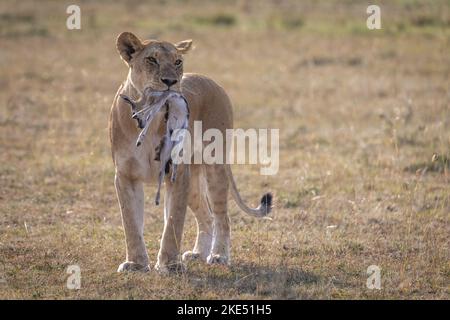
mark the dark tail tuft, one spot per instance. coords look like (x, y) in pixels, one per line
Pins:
(266, 203)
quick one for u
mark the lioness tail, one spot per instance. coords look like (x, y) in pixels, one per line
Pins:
(266, 201)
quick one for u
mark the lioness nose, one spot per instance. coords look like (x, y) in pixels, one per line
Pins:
(169, 82)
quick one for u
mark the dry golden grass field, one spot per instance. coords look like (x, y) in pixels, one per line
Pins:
(364, 119)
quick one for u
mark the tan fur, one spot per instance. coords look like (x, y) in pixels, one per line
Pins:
(203, 188)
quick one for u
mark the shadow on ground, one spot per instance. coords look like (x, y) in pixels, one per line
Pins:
(244, 278)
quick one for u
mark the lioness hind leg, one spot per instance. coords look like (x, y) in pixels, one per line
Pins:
(197, 203)
(217, 201)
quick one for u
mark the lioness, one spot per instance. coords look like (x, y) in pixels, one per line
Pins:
(204, 188)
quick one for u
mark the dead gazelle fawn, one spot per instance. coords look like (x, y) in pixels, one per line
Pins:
(177, 119)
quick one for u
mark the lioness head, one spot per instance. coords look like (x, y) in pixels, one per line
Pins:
(152, 63)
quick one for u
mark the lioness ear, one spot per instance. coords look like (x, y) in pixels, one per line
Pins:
(127, 44)
(184, 46)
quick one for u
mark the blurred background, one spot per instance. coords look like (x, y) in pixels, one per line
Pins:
(364, 147)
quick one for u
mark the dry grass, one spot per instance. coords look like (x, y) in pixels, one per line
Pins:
(361, 114)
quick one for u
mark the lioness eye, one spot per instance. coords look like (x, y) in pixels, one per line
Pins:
(178, 62)
(152, 60)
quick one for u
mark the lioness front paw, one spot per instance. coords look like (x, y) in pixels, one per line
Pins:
(190, 256)
(129, 266)
(217, 259)
(168, 268)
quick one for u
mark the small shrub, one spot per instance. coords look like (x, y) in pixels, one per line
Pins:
(221, 19)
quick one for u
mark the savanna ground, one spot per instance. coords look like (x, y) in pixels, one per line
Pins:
(361, 114)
